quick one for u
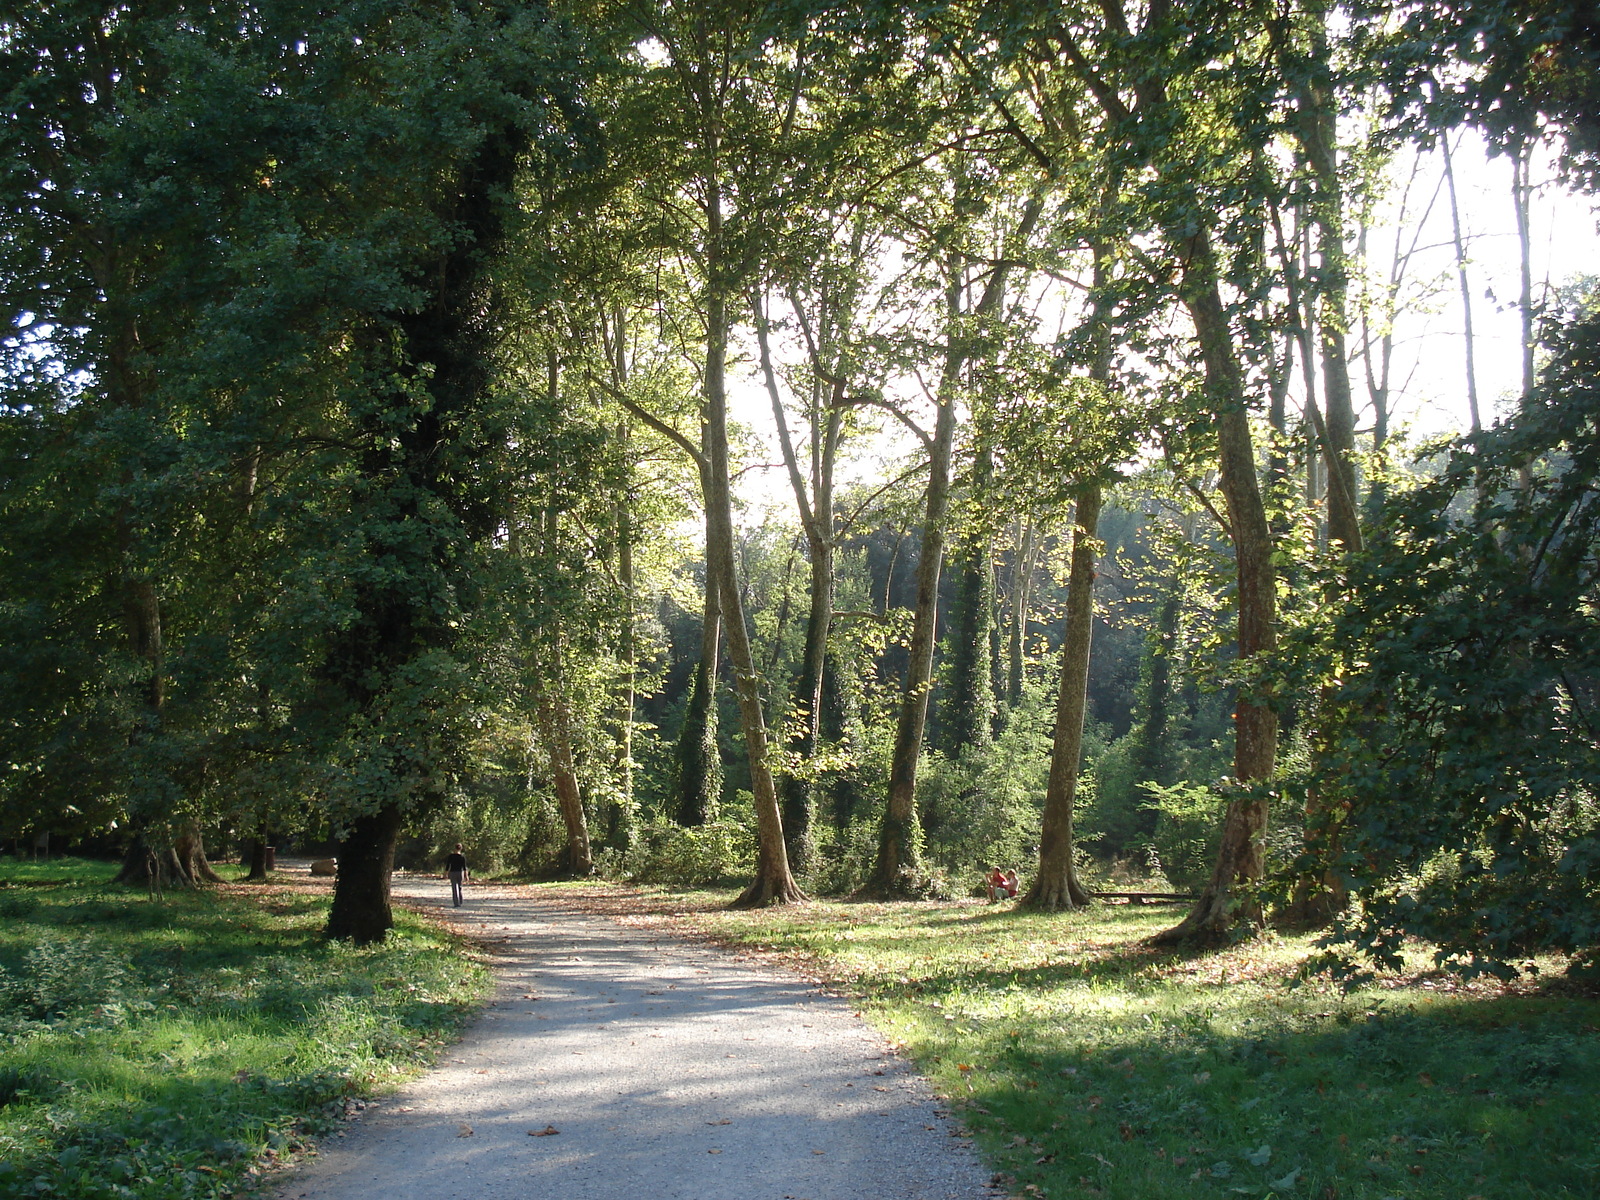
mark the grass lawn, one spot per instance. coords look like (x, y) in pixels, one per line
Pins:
(1089, 1064)
(158, 1048)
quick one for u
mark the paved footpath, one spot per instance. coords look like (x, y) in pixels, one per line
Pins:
(618, 1063)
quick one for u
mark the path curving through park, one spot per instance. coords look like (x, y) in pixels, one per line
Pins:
(618, 1063)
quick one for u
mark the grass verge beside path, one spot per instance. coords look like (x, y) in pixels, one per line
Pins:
(154, 1049)
(1089, 1064)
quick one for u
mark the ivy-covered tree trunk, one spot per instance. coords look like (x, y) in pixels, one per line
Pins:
(841, 725)
(1057, 885)
(699, 760)
(1151, 757)
(967, 711)
(1022, 568)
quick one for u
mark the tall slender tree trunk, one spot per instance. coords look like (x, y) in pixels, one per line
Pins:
(1319, 141)
(1459, 243)
(1022, 569)
(623, 831)
(555, 731)
(1522, 201)
(815, 506)
(774, 882)
(898, 870)
(799, 799)
(1228, 899)
(699, 759)
(1057, 886)
(1320, 895)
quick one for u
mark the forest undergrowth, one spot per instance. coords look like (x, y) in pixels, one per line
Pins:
(178, 1047)
(1087, 1063)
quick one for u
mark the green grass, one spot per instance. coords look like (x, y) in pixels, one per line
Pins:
(157, 1048)
(1087, 1063)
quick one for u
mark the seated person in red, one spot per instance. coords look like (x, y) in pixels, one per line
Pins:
(997, 887)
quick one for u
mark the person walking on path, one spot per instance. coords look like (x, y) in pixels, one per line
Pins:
(455, 867)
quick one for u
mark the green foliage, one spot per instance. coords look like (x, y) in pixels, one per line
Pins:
(1463, 676)
(1183, 845)
(984, 808)
(62, 976)
(159, 1050)
(712, 852)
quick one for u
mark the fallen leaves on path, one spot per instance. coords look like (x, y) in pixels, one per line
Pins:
(547, 1131)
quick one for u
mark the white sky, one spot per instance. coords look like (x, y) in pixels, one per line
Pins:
(1564, 247)
(1428, 376)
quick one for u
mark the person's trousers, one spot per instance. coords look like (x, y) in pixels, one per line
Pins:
(456, 879)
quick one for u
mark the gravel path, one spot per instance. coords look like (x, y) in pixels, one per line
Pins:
(617, 1063)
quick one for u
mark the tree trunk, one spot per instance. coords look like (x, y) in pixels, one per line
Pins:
(1057, 885)
(773, 882)
(1228, 900)
(154, 866)
(799, 791)
(191, 851)
(898, 870)
(1459, 243)
(1150, 764)
(424, 505)
(967, 710)
(555, 732)
(361, 912)
(623, 831)
(1319, 141)
(1021, 597)
(816, 518)
(699, 774)
(1318, 897)
(258, 857)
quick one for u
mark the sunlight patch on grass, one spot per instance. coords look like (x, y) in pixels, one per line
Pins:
(1092, 1064)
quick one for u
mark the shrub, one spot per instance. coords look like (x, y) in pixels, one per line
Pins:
(1188, 827)
(61, 976)
(696, 854)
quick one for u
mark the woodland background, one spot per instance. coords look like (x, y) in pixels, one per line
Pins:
(378, 384)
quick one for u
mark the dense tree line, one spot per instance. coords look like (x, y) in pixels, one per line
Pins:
(377, 399)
